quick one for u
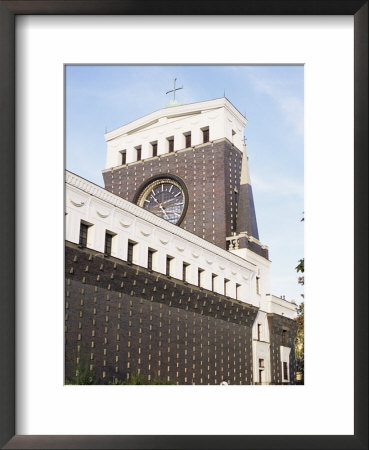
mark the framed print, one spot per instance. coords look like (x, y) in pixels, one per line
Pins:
(44, 47)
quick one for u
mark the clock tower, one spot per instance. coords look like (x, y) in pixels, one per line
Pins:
(188, 165)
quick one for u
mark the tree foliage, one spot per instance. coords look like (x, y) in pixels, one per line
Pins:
(299, 341)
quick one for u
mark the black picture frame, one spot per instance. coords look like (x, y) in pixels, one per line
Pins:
(8, 12)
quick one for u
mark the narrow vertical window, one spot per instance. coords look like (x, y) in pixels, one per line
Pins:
(108, 242)
(124, 157)
(226, 286)
(238, 291)
(184, 271)
(83, 235)
(150, 255)
(213, 277)
(259, 332)
(168, 265)
(199, 276)
(261, 371)
(187, 139)
(130, 252)
(138, 153)
(205, 135)
(285, 371)
(170, 144)
(154, 149)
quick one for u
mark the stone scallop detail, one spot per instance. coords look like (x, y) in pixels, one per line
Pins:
(114, 200)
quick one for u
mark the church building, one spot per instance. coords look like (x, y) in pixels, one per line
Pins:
(166, 276)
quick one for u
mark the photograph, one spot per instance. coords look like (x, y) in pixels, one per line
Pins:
(184, 216)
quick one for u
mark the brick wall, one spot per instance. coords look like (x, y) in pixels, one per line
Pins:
(211, 172)
(276, 326)
(125, 319)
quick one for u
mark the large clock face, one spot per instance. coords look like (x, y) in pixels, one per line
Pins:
(165, 198)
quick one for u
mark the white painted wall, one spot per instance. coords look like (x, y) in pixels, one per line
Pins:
(105, 211)
(285, 357)
(266, 301)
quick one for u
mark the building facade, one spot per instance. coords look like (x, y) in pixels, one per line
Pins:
(165, 274)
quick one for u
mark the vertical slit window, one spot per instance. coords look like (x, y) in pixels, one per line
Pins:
(108, 242)
(205, 135)
(124, 157)
(258, 285)
(259, 332)
(226, 284)
(238, 291)
(138, 153)
(83, 235)
(168, 264)
(154, 149)
(170, 144)
(130, 252)
(184, 271)
(285, 371)
(149, 258)
(199, 276)
(213, 277)
(187, 140)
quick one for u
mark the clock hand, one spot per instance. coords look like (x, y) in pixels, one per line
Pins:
(171, 200)
(165, 214)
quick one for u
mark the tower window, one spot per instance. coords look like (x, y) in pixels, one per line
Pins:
(258, 285)
(170, 144)
(130, 252)
(285, 371)
(205, 135)
(187, 139)
(138, 153)
(124, 156)
(83, 231)
(184, 271)
(168, 265)
(108, 243)
(154, 146)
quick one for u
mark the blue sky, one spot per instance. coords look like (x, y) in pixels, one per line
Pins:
(100, 98)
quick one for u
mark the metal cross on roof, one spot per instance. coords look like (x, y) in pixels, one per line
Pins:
(174, 89)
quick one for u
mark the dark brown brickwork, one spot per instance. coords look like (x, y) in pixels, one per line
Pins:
(277, 324)
(128, 320)
(211, 173)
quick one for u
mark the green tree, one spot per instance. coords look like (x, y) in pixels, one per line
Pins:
(299, 341)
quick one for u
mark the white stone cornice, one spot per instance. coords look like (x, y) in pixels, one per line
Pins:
(98, 192)
(172, 112)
